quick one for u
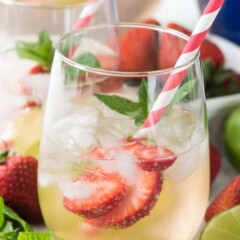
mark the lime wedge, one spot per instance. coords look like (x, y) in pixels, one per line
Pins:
(33, 150)
(224, 226)
(27, 131)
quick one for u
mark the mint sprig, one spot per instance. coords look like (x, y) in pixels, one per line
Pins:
(87, 59)
(139, 111)
(42, 51)
(34, 236)
(184, 90)
(135, 110)
(13, 227)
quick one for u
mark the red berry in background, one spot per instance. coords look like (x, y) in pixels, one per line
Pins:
(168, 58)
(215, 162)
(228, 198)
(139, 49)
(18, 186)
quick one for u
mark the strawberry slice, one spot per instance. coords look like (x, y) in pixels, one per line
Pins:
(154, 157)
(106, 191)
(98, 153)
(138, 202)
(36, 69)
(151, 157)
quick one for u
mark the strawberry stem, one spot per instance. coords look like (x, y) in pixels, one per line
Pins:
(4, 155)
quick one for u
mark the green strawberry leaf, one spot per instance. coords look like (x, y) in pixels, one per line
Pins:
(34, 236)
(181, 93)
(41, 52)
(4, 155)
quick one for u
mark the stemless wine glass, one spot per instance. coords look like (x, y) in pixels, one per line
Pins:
(28, 32)
(96, 179)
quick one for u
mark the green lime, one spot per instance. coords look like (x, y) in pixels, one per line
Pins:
(224, 226)
(232, 138)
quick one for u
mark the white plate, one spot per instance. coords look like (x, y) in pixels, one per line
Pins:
(223, 105)
(219, 109)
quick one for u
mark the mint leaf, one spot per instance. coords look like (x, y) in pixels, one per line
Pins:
(14, 217)
(69, 45)
(34, 236)
(2, 219)
(8, 232)
(120, 105)
(86, 59)
(41, 52)
(143, 97)
(181, 93)
(138, 111)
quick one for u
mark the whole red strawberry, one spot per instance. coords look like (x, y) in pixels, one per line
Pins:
(18, 185)
(168, 57)
(215, 162)
(228, 198)
(139, 49)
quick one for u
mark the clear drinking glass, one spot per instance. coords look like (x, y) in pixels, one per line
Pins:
(29, 30)
(96, 180)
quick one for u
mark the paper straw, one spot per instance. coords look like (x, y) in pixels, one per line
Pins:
(176, 78)
(87, 14)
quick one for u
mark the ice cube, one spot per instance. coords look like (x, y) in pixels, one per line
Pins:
(115, 129)
(187, 162)
(176, 130)
(46, 179)
(109, 141)
(126, 165)
(76, 189)
(78, 138)
(36, 85)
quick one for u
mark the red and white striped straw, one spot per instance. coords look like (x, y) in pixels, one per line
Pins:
(176, 78)
(87, 14)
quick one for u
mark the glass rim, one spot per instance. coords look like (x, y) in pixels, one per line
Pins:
(45, 5)
(119, 73)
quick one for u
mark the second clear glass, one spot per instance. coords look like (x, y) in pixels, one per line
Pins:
(29, 31)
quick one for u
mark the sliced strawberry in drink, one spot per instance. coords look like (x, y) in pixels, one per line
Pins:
(138, 202)
(151, 157)
(154, 157)
(36, 69)
(98, 153)
(104, 192)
